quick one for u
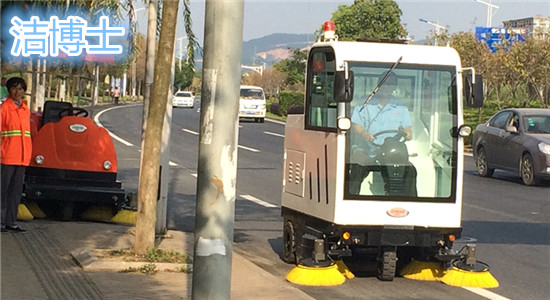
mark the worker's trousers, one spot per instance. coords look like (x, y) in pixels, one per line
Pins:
(11, 192)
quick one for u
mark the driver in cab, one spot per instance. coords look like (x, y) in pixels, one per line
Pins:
(382, 117)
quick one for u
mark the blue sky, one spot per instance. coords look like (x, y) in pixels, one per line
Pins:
(264, 17)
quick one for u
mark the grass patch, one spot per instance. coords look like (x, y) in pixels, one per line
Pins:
(274, 116)
(152, 256)
(148, 268)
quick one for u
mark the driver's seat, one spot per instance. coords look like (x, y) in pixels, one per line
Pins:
(52, 111)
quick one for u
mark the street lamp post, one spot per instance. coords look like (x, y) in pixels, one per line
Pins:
(437, 27)
(181, 48)
(490, 7)
(134, 64)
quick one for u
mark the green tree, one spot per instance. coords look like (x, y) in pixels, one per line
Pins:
(369, 19)
(530, 62)
(294, 68)
(183, 78)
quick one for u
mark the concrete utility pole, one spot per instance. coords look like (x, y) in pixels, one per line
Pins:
(217, 168)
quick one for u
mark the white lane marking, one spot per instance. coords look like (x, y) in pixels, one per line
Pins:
(194, 175)
(248, 148)
(498, 213)
(190, 131)
(114, 136)
(274, 134)
(485, 293)
(258, 201)
(242, 147)
(275, 121)
(173, 164)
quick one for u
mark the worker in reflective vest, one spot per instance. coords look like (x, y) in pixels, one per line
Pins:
(16, 151)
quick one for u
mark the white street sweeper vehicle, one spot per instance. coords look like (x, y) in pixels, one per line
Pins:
(391, 186)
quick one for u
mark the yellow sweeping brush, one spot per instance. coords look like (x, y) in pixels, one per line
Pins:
(35, 210)
(316, 276)
(476, 277)
(469, 272)
(465, 278)
(125, 216)
(423, 270)
(342, 268)
(23, 213)
(98, 213)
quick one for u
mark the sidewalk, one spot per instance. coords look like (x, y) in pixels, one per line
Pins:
(39, 265)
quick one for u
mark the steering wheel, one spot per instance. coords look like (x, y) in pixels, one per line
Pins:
(74, 111)
(400, 135)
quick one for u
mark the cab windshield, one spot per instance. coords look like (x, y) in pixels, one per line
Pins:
(250, 93)
(400, 146)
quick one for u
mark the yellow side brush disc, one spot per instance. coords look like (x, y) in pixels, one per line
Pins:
(99, 214)
(23, 213)
(423, 270)
(316, 276)
(125, 216)
(344, 269)
(35, 210)
(465, 278)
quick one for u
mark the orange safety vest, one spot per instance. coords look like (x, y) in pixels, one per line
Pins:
(15, 130)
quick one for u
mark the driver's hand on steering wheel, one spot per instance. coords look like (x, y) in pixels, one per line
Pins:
(408, 133)
(368, 136)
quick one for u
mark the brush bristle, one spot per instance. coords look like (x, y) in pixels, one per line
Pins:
(342, 268)
(316, 276)
(465, 278)
(23, 213)
(35, 210)
(100, 214)
(125, 216)
(423, 270)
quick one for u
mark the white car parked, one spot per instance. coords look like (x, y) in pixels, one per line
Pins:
(183, 99)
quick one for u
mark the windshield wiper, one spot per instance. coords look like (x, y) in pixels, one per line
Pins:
(381, 83)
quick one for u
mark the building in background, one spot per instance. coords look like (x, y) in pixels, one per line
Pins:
(538, 27)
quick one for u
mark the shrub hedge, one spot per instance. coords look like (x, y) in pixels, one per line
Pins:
(288, 98)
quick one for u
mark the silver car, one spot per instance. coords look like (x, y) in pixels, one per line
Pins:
(515, 140)
(183, 99)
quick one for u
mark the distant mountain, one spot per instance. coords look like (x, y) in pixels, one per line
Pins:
(274, 47)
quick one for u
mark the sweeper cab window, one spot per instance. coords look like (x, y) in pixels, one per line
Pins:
(320, 104)
(412, 155)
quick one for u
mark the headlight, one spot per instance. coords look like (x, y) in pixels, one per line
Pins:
(39, 159)
(107, 165)
(544, 148)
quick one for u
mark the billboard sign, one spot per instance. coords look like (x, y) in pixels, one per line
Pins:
(499, 37)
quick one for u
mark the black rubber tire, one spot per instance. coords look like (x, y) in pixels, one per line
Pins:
(289, 243)
(526, 170)
(261, 120)
(387, 264)
(481, 164)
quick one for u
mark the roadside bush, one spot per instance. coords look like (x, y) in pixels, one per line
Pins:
(295, 109)
(287, 98)
(274, 108)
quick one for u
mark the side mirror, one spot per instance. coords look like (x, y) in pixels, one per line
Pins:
(343, 88)
(473, 92)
